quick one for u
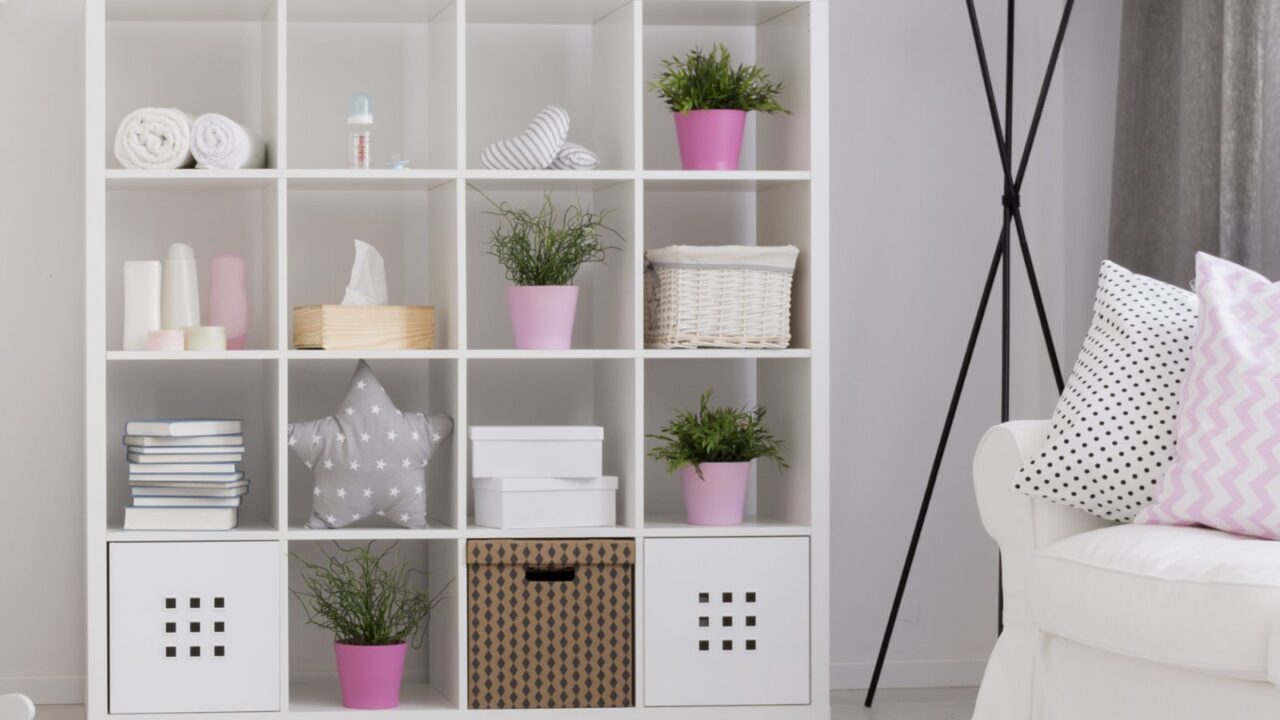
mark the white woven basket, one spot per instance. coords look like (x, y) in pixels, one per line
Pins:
(724, 296)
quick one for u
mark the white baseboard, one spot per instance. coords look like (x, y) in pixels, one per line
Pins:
(909, 674)
(64, 690)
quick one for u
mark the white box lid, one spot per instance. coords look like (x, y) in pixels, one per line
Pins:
(536, 432)
(510, 485)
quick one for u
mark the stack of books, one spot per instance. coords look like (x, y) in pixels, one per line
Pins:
(184, 474)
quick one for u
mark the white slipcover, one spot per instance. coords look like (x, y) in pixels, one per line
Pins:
(1105, 621)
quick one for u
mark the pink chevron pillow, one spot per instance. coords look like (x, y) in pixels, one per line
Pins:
(1226, 473)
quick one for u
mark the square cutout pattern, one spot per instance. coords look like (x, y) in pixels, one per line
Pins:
(195, 627)
(726, 644)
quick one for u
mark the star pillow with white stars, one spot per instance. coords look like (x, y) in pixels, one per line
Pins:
(369, 459)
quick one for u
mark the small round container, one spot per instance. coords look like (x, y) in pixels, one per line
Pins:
(206, 337)
(166, 340)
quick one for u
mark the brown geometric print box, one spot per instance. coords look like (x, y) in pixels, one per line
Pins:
(550, 623)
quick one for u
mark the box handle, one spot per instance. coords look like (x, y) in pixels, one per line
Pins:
(551, 574)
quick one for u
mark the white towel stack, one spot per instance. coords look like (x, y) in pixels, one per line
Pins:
(169, 139)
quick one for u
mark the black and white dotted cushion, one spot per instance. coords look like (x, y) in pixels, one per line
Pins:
(1112, 436)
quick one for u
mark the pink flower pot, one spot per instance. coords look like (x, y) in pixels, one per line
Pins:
(370, 675)
(719, 497)
(710, 139)
(542, 316)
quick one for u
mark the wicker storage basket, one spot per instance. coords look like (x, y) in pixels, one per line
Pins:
(723, 296)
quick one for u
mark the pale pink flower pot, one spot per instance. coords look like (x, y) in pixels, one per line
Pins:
(370, 675)
(719, 497)
(542, 316)
(710, 139)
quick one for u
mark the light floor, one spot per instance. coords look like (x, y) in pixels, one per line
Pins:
(926, 704)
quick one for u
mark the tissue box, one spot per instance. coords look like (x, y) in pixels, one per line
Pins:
(364, 327)
(537, 451)
(545, 502)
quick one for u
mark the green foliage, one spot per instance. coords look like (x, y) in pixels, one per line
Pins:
(547, 247)
(719, 434)
(365, 597)
(709, 81)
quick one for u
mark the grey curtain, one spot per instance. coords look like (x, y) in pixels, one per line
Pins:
(1197, 156)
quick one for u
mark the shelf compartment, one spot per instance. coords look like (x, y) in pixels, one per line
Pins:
(414, 230)
(432, 679)
(739, 214)
(242, 219)
(562, 392)
(402, 54)
(202, 56)
(606, 298)
(574, 54)
(202, 388)
(316, 390)
(774, 35)
(777, 500)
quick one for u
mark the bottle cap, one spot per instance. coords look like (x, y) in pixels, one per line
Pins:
(181, 251)
(360, 109)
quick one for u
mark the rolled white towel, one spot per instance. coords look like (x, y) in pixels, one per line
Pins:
(155, 139)
(221, 143)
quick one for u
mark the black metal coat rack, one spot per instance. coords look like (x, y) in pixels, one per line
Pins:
(1011, 202)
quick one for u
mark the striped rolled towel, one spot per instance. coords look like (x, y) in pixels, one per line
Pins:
(575, 157)
(535, 148)
(154, 139)
(220, 143)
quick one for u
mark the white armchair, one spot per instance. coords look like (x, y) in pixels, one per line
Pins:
(1128, 622)
(16, 707)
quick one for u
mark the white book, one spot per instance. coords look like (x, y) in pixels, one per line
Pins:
(175, 442)
(163, 490)
(223, 478)
(213, 468)
(179, 518)
(157, 459)
(211, 450)
(181, 501)
(183, 428)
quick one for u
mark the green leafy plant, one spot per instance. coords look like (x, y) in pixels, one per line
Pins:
(716, 434)
(365, 597)
(548, 247)
(709, 81)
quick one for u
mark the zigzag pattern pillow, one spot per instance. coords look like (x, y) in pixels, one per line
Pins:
(1226, 474)
(1112, 437)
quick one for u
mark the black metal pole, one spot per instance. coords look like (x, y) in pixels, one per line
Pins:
(1039, 301)
(937, 464)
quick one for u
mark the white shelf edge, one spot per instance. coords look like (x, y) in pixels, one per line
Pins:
(190, 355)
(666, 526)
(373, 354)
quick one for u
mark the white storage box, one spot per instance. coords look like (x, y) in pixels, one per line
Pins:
(545, 502)
(537, 451)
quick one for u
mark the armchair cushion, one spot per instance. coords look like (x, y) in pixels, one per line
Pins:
(1190, 597)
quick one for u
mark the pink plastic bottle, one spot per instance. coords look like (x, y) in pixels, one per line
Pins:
(229, 298)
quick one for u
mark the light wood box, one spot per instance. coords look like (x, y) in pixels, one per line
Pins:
(364, 327)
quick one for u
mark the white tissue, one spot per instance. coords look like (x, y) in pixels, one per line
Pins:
(368, 285)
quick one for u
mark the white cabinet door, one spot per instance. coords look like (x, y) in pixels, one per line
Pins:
(726, 621)
(194, 627)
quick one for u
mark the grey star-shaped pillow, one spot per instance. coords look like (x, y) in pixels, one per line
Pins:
(369, 459)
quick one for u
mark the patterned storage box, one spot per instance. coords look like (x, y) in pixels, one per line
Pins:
(551, 623)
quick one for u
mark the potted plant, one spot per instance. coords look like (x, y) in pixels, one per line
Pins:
(371, 603)
(542, 252)
(712, 449)
(710, 99)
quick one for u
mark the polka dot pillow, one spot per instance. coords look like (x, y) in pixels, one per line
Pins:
(1112, 436)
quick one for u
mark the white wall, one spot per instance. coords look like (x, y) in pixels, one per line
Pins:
(915, 214)
(42, 356)
(915, 187)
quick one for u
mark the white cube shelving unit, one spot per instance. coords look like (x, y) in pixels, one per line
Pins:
(448, 77)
